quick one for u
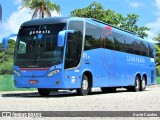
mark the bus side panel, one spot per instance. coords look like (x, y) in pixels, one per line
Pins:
(113, 68)
(92, 59)
(72, 78)
(151, 71)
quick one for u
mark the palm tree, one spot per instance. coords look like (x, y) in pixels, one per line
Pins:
(41, 7)
(0, 13)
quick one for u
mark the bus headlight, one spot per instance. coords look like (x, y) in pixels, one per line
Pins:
(17, 73)
(53, 72)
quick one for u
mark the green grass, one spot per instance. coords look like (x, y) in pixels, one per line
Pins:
(7, 84)
(158, 80)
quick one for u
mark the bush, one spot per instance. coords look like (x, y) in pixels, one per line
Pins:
(6, 59)
(158, 71)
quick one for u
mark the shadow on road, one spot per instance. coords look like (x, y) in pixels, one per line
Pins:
(56, 94)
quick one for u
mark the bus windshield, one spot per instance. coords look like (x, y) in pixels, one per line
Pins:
(37, 46)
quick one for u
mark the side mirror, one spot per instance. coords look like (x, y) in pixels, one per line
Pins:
(61, 36)
(5, 41)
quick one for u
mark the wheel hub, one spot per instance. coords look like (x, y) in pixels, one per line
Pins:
(85, 85)
(137, 84)
(143, 83)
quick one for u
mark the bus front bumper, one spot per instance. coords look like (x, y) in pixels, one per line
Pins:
(55, 81)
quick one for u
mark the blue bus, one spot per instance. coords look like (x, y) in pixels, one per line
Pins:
(81, 53)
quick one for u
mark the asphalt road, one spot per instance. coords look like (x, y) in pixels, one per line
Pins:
(121, 100)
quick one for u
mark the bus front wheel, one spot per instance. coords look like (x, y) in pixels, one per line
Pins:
(84, 90)
(44, 91)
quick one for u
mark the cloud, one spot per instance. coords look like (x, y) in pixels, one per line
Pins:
(135, 4)
(55, 14)
(12, 24)
(17, 2)
(157, 3)
(155, 25)
(154, 28)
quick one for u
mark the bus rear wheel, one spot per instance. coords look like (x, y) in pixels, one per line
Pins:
(84, 90)
(136, 87)
(108, 89)
(44, 91)
(143, 84)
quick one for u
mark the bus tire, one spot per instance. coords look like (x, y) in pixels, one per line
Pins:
(44, 91)
(143, 84)
(136, 87)
(108, 89)
(84, 90)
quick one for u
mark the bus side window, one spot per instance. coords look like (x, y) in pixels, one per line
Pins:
(129, 45)
(144, 50)
(137, 47)
(92, 37)
(109, 42)
(116, 42)
(151, 51)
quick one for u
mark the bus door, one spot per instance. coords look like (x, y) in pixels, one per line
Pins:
(73, 49)
(108, 56)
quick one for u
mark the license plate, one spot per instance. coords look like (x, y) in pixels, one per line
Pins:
(33, 81)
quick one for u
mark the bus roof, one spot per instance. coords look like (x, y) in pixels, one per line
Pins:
(53, 20)
(50, 20)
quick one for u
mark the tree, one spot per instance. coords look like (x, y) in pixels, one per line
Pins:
(157, 49)
(96, 10)
(131, 25)
(6, 59)
(41, 7)
(157, 38)
(0, 13)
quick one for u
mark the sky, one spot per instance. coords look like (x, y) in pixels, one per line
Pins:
(148, 11)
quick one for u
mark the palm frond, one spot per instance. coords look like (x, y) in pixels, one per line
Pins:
(26, 3)
(35, 14)
(55, 7)
(41, 7)
(47, 12)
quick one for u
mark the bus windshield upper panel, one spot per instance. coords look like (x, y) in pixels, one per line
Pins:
(37, 46)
